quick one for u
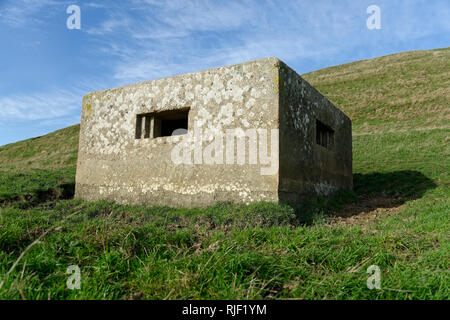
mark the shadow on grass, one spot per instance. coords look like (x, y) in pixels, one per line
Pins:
(370, 192)
(30, 188)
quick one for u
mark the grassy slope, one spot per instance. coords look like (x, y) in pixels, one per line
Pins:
(397, 92)
(52, 151)
(39, 169)
(398, 217)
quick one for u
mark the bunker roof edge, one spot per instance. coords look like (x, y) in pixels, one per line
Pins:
(277, 62)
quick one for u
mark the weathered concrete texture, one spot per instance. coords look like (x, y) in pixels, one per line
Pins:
(306, 167)
(265, 94)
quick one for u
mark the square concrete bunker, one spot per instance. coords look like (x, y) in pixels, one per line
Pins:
(248, 132)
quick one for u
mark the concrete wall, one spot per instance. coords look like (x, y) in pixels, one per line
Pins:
(307, 168)
(265, 94)
(113, 164)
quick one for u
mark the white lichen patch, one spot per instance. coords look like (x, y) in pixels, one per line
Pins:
(214, 98)
(126, 168)
(324, 188)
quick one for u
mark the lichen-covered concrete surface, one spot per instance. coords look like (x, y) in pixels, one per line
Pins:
(307, 168)
(262, 94)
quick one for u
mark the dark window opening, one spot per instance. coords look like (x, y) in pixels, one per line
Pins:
(162, 124)
(138, 133)
(324, 135)
(173, 127)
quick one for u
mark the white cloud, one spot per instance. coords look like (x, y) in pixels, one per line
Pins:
(25, 13)
(150, 39)
(154, 64)
(53, 104)
(172, 37)
(38, 106)
(205, 15)
(117, 22)
(175, 18)
(182, 36)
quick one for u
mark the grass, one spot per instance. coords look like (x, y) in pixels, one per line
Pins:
(391, 93)
(36, 185)
(53, 151)
(397, 217)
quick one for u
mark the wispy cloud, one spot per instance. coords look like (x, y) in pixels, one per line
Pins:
(54, 104)
(146, 39)
(39, 106)
(171, 37)
(116, 21)
(25, 13)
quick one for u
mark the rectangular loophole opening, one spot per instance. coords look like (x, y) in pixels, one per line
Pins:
(138, 133)
(162, 124)
(324, 135)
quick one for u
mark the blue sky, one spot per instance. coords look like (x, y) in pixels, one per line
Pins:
(46, 69)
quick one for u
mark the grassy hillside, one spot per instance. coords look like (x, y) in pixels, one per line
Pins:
(403, 91)
(397, 217)
(40, 168)
(53, 151)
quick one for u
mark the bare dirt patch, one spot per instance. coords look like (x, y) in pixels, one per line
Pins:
(367, 208)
